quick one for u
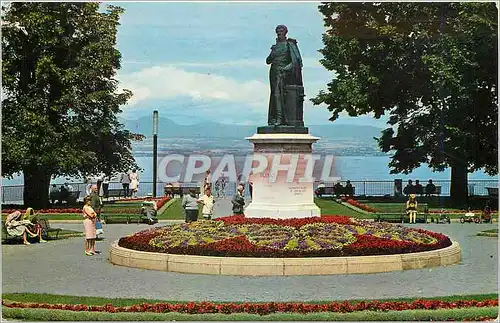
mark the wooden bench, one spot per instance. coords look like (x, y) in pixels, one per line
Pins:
(135, 215)
(115, 192)
(331, 191)
(172, 190)
(436, 192)
(402, 217)
(7, 237)
(44, 224)
(70, 199)
(492, 192)
(47, 229)
(181, 190)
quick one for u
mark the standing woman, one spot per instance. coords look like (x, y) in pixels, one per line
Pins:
(134, 182)
(89, 216)
(411, 208)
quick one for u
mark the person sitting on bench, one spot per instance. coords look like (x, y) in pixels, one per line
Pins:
(411, 208)
(149, 208)
(17, 227)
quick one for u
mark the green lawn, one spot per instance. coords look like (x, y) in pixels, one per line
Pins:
(329, 207)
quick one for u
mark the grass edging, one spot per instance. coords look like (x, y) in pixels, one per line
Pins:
(409, 315)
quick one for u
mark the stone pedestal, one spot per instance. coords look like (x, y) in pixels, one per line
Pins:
(282, 197)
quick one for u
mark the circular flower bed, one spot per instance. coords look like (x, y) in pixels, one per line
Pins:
(326, 236)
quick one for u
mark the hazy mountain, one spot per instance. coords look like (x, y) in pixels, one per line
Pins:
(169, 129)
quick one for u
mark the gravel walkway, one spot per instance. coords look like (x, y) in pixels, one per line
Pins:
(60, 267)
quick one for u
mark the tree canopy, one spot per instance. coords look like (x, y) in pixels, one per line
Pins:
(60, 96)
(431, 68)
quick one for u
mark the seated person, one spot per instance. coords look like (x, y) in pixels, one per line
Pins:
(409, 188)
(68, 187)
(419, 189)
(348, 188)
(53, 193)
(64, 194)
(338, 188)
(430, 188)
(18, 227)
(169, 190)
(320, 190)
(149, 208)
(469, 213)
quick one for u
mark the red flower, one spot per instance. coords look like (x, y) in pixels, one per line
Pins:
(266, 308)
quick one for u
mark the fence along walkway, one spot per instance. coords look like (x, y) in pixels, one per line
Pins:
(14, 193)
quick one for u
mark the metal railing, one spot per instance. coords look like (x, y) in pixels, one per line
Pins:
(14, 193)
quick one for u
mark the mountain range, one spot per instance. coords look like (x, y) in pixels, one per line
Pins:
(169, 129)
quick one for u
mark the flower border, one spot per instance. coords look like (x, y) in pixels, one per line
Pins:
(263, 308)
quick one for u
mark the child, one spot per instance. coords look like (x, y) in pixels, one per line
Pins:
(411, 208)
(207, 200)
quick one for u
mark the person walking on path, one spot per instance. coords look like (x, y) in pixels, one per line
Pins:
(207, 200)
(89, 220)
(190, 206)
(238, 200)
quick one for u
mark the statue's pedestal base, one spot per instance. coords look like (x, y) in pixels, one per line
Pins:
(282, 129)
(281, 198)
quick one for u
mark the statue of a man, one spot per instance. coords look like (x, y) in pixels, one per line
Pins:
(286, 69)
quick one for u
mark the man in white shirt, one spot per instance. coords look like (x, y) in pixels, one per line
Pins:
(207, 200)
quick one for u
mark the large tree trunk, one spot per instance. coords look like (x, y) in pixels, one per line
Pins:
(36, 187)
(458, 189)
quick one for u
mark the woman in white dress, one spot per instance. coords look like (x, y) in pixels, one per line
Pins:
(134, 183)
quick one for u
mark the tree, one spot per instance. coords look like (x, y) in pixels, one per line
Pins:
(61, 99)
(432, 68)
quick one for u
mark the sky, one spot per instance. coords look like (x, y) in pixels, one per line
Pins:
(196, 62)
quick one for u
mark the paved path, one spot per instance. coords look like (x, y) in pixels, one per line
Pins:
(61, 267)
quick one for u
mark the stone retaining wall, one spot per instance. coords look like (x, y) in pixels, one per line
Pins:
(241, 266)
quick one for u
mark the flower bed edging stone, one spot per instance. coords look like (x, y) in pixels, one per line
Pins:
(240, 266)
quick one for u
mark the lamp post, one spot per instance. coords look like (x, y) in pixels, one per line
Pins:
(155, 150)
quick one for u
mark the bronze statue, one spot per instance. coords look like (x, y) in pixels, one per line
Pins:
(285, 71)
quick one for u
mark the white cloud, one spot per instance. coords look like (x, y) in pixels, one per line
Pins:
(166, 82)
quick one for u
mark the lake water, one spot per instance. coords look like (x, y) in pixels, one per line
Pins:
(354, 168)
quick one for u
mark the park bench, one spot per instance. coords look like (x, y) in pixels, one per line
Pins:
(47, 229)
(135, 215)
(172, 190)
(6, 236)
(402, 217)
(181, 190)
(70, 199)
(332, 191)
(436, 192)
(44, 224)
(115, 192)
(492, 192)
